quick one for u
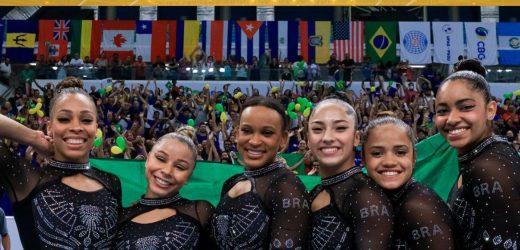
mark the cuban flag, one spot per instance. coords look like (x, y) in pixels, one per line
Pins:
(283, 39)
(143, 39)
(508, 43)
(216, 39)
(249, 40)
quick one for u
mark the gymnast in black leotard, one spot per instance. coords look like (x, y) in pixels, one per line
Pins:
(487, 199)
(349, 210)
(266, 206)
(162, 219)
(422, 219)
(66, 204)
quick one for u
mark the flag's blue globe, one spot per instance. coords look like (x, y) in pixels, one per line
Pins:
(381, 42)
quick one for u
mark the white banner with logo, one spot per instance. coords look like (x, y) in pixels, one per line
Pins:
(481, 41)
(448, 41)
(415, 42)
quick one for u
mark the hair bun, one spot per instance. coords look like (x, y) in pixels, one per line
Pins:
(472, 65)
(69, 82)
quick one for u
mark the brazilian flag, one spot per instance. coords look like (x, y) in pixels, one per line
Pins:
(380, 41)
(436, 167)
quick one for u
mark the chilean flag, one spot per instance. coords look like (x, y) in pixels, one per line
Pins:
(250, 39)
(216, 39)
(113, 37)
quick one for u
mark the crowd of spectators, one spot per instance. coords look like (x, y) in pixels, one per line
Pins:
(141, 113)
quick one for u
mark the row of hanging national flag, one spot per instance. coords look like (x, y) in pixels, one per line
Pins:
(418, 42)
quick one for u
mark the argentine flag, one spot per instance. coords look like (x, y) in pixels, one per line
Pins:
(509, 43)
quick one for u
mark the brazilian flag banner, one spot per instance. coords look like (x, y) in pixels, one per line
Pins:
(436, 167)
(205, 183)
(381, 41)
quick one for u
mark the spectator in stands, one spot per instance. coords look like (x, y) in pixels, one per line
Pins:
(242, 69)
(286, 71)
(158, 68)
(62, 66)
(26, 77)
(140, 68)
(6, 240)
(254, 70)
(5, 71)
(333, 68)
(314, 72)
(274, 74)
(101, 63)
(115, 67)
(347, 65)
(76, 61)
(126, 68)
(173, 68)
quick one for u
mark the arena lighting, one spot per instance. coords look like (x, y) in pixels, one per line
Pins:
(32, 64)
(221, 70)
(54, 68)
(188, 69)
(499, 70)
(203, 71)
(415, 66)
(508, 70)
(210, 70)
(195, 71)
(489, 70)
(81, 67)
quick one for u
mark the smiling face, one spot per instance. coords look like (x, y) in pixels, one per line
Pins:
(260, 136)
(389, 156)
(73, 127)
(168, 168)
(332, 137)
(463, 115)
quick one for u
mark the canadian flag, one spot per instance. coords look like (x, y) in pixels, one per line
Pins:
(113, 37)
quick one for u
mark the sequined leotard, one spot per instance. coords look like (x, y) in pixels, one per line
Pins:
(487, 206)
(422, 219)
(187, 229)
(274, 214)
(52, 215)
(359, 215)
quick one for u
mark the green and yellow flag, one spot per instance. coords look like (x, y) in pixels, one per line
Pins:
(81, 37)
(380, 41)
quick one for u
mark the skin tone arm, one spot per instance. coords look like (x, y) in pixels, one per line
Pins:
(6, 242)
(15, 131)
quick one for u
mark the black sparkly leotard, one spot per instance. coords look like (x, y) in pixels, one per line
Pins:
(274, 214)
(52, 215)
(187, 229)
(487, 206)
(422, 219)
(359, 215)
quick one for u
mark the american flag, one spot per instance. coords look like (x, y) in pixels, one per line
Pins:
(61, 30)
(349, 37)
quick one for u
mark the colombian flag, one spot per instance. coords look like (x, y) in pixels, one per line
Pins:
(20, 40)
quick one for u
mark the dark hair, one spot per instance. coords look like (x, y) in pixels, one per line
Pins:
(472, 65)
(69, 86)
(474, 73)
(380, 121)
(267, 102)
